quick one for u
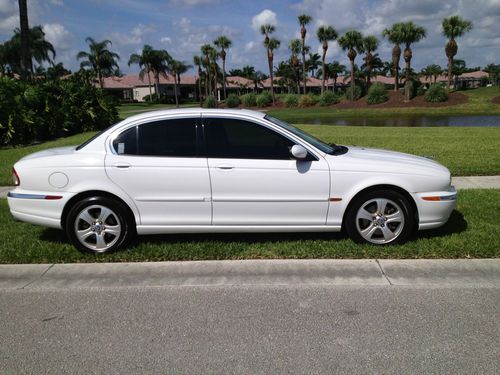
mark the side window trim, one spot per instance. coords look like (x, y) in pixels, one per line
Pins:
(313, 154)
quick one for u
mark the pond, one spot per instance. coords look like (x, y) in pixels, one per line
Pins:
(410, 121)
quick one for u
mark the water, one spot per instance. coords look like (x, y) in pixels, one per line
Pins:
(411, 121)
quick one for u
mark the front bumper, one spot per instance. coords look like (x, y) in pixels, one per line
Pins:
(435, 208)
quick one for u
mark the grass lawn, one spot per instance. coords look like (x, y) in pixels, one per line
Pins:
(479, 104)
(465, 151)
(472, 231)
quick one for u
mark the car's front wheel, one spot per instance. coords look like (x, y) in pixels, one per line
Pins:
(98, 225)
(380, 217)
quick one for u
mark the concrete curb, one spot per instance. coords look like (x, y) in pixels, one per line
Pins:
(466, 182)
(363, 272)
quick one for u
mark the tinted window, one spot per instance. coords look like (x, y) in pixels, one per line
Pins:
(160, 138)
(238, 139)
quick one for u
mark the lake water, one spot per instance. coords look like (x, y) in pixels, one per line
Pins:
(411, 121)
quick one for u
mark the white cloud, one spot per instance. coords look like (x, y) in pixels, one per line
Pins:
(136, 35)
(57, 2)
(9, 18)
(166, 40)
(265, 17)
(58, 35)
(191, 3)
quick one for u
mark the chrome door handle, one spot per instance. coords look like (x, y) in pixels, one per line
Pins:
(121, 165)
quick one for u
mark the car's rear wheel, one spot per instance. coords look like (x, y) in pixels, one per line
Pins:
(99, 225)
(380, 217)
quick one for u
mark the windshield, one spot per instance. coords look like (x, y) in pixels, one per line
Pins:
(327, 149)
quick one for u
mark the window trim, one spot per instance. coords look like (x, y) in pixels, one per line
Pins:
(312, 153)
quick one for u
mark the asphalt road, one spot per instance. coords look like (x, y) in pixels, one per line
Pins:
(253, 329)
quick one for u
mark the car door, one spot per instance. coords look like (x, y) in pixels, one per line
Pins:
(256, 182)
(158, 164)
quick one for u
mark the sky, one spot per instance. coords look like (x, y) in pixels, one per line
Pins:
(182, 26)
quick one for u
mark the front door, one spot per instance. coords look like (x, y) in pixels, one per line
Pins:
(256, 182)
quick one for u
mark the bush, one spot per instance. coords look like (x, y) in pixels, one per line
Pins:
(377, 94)
(436, 93)
(421, 90)
(358, 92)
(44, 110)
(328, 98)
(264, 99)
(307, 100)
(291, 100)
(210, 102)
(232, 101)
(249, 100)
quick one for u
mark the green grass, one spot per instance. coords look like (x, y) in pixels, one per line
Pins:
(465, 151)
(479, 104)
(472, 232)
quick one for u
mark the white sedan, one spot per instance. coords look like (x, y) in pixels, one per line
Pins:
(207, 171)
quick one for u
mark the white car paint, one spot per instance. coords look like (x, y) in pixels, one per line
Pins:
(176, 194)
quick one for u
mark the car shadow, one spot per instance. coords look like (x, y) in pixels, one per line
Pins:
(456, 224)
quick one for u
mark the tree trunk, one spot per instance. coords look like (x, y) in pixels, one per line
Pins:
(352, 80)
(407, 81)
(175, 92)
(100, 79)
(199, 90)
(304, 67)
(150, 91)
(224, 77)
(157, 85)
(270, 62)
(24, 25)
(396, 55)
(450, 66)
(323, 72)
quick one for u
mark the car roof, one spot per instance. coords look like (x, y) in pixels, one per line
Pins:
(194, 111)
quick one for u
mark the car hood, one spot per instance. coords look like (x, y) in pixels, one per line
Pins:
(376, 160)
(51, 152)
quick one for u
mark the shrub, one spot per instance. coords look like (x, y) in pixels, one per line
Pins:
(291, 100)
(210, 102)
(436, 93)
(44, 110)
(377, 94)
(328, 98)
(249, 100)
(264, 99)
(232, 101)
(421, 90)
(306, 100)
(358, 92)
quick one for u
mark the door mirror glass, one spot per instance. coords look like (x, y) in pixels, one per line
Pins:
(298, 152)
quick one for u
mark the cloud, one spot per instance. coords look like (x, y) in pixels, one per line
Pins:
(166, 40)
(9, 16)
(265, 17)
(192, 3)
(136, 35)
(58, 35)
(57, 2)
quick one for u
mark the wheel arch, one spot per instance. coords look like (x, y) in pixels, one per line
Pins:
(390, 187)
(95, 193)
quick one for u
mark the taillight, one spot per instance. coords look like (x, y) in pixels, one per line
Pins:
(15, 178)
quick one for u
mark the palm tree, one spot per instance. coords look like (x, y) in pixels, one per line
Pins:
(223, 43)
(453, 27)
(176, 69)
(352, 42)
(395, 36)
(207, 51)
(144, 61)
(304, 20)
(159, 66)
(295, 47)
(432, 71)
(197, 60)
(25, 57)
(325, 34)
(411, 33)
(313, 63)
(336, 68)
(271, 44)
(99, 59)
(370, 44)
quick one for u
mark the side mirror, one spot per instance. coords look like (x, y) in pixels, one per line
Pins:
(298, 152)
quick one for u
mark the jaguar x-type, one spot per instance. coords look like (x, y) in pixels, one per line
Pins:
(206, 171)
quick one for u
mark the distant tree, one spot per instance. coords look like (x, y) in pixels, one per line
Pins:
(432, 71)
(271, 44)
(25, 60)
(453, 27)
(304, 20)
(177, 68)
(313, 63)
(144, 60)
(99, 59)
(325, 34)
(395, 35)
(411, 33)
(370, 44)
(295, 47)
(223, 43)
(160, 60)
(57, 71)
(493, 71)
(352, 42)
(197, 60)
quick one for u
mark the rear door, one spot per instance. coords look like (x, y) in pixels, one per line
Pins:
(159, 165)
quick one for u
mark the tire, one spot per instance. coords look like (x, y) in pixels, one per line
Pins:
(99, 225)
(365, 222)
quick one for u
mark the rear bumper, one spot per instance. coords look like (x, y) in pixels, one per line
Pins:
(435, 208)
(36, 207)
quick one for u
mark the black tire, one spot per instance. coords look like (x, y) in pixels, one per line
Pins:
(398, 218)
(119, 221)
